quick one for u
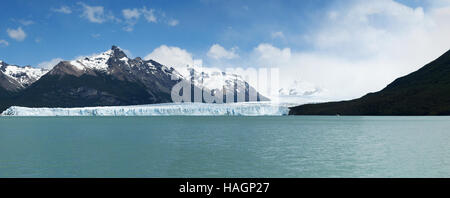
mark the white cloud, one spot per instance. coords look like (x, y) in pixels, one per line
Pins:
(135, 14)
(173, 22)
(173, 57)
(17, 34)
(337, 77)
(278, 34)
(4, 43)
(63, 10)
(268, 53)
(361, 47)
(26, 22)
(50, 64)
(131, 17)
(218, 52)
(96, 14)
(128, 28)
(149, 15)
(96, 35)
(131, 14)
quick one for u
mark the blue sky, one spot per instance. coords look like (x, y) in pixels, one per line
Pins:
(201, 23)
(344, 48)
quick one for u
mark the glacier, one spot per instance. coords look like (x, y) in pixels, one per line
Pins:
(166, 109)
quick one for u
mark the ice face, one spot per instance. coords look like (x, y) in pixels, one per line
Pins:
(175, 109)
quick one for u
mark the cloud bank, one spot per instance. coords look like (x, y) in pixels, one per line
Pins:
(361, 47)
(358, 47)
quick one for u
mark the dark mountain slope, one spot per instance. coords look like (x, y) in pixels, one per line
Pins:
(85, 90)
(423, 92)
(8, 84)
(8, 89)
(107, 79)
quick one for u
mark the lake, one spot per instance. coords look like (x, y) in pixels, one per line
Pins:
(188, 146)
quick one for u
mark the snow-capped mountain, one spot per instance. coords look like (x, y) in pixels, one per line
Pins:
(14, 79)
(111, 79)
(24, 76)
(217, 81)
(155, 77)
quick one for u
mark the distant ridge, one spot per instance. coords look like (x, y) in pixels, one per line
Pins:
(423, 92)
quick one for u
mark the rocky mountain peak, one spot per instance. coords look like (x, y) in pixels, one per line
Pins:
(3, 64)
(117, 52)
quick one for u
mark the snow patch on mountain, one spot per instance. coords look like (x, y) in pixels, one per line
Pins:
(95, 62)
(300, 88)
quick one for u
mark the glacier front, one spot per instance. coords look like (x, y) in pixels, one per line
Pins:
(167, 109)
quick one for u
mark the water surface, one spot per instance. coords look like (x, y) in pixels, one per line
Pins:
(305, 146)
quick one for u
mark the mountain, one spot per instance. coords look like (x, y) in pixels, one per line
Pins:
(8, 84)
(14, 79)
(218, 81)
(106, 79)
(8, 88)
(423, 92)
(25, 76)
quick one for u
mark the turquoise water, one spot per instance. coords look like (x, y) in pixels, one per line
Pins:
(225, 147)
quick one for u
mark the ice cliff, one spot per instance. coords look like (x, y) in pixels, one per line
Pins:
(168, 109)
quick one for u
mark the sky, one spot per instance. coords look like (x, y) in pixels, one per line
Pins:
(338, 49)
